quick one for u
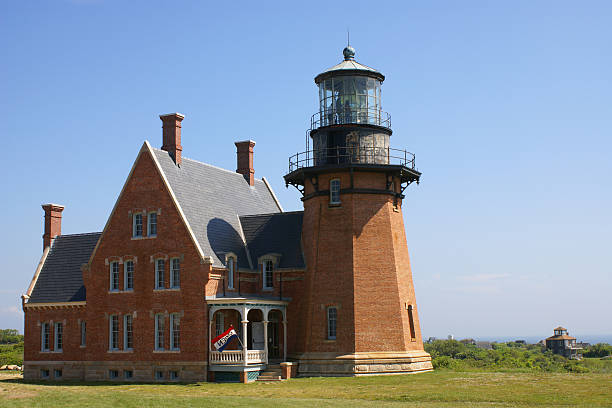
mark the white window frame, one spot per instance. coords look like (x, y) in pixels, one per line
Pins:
(175, 268)
(112, 272)
(267, 284)
(175, 344)
(332, 322)
(334, 191)
(58, 337)
(45, 336)
(158, 275)
(149, 223)
(135, 217)
(83, 333)
(159, 331)
(128, 335)
(231, 266)
(128, 275)
(113, 336)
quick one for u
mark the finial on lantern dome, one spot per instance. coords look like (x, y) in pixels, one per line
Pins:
(349, 53)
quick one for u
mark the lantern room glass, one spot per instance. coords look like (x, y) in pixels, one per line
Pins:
(350, 99)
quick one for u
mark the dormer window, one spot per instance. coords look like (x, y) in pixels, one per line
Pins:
(268, 274)
(137, 225)
(230, 272)
(334, 191)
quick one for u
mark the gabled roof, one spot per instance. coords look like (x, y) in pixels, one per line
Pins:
(61, 279)
(279, 233)
(212, 200)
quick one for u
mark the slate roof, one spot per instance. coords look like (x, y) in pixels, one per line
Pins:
(61, 279)
(279, 233)
(212, 200)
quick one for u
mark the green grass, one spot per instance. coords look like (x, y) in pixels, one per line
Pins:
(436, 389)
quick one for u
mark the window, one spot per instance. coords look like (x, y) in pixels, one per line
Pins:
(44, 373)
(175, 273)
(128, 275)
(268, 274)
(59, 337)
(128, 342)
(334, 191)
(152, 220)
(45, 332)
(57, 373)
(174, 375)
(219, 324)
(137, 225)
(160, 267)
(112, 374)
(159, 375)
(128, 374)
(332, 318)
(175, 331)
(159, 331)
(83, 334)
(114, 276)
(411, 321)
(113, 323)
(230, 273)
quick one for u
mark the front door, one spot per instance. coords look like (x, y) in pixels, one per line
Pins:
(273, 343)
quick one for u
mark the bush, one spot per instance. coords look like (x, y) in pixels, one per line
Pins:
(11, 354)
(10, 336)
(598, 350)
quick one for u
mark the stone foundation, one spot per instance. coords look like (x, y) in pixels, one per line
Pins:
(185, 371)
(359, 364)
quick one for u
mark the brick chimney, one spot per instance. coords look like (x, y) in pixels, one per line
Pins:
(244, 156)
(53, 223)
(172, 135)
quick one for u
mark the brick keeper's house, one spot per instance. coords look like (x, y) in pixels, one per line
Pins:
(190, 249)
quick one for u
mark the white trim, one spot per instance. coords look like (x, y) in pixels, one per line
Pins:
(41, 263)
(157, 287)
(125, 275)
(134, 215)
(272, 194)
(174, 316)
(56, 347)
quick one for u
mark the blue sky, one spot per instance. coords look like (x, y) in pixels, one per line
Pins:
(507, 106)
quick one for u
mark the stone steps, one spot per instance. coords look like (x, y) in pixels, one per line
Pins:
(271, 373)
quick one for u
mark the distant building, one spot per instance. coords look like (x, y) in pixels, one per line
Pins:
(486, 345)
(563, 344)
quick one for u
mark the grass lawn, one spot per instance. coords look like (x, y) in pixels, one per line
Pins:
(435, 389)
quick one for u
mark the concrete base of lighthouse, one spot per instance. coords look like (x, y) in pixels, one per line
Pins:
(363, 363)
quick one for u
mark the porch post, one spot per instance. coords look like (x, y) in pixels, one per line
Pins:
(244, 334)
(284, 339)
(265, 322)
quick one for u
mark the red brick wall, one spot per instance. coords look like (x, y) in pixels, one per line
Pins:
(145, 191)
(70, 317)
(358, 261)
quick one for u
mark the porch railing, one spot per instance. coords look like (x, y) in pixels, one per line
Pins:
(237, 357)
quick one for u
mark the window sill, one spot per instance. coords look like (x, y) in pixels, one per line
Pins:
(119, 351)
(51, 351)
(166, 351)
(267, 289)
(166, 289)
(144, 237)
(121, 291)
(329, 341)
(334, 205)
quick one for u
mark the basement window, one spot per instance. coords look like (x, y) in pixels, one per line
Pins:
(44, 373)
(128, 374)
(58, 373)
(159, 375)
(174, 375)
(113, 374)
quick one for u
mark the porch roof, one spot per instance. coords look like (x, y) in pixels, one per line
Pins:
(247, 300)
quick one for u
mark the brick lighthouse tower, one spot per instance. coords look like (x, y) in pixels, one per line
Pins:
(358, 312)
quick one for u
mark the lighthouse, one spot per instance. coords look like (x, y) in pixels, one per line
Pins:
(358, 313)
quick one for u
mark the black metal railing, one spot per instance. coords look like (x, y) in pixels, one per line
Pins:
(351, 155)
(347, 115)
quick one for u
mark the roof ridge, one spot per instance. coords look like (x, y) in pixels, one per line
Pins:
(79, 234)
(273, 213)
(208, 164)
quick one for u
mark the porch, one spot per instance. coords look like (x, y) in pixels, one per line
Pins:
(261, 325)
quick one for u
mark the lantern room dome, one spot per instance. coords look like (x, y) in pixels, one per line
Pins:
(349, 67)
